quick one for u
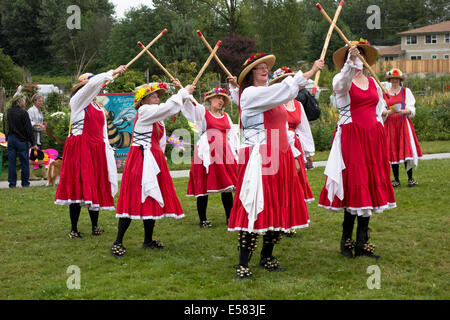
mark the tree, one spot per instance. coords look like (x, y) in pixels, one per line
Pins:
(20, 35)
(143, 24)
(74, 49)
(10, 73)
(234, 51)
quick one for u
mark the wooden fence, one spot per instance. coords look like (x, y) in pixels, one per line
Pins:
(414, 66)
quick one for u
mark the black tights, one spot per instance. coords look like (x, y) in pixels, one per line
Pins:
(202, 204)
(74, 211)
(124, 223)
(395, 169)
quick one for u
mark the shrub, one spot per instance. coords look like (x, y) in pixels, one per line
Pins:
(432, 119)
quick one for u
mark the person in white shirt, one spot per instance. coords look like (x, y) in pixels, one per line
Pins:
(39, 126)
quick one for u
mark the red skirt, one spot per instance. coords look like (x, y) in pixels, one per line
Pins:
(84, 175)
(284, 205)
(367, 176)
(221, 177)
(129, 204)
(399, 142)
(308, 195)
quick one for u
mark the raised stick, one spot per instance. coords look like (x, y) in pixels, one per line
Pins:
(140, 53)
(156, 61)
(215, 56)
(207, 63)
(349, 44)
(325, 46)
(165, 71)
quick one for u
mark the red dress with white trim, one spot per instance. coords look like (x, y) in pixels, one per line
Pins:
(402, 141)
(221, 174)
(88, 172)
(269, 192)
(361, 139)
(147, 190)
(294, 120)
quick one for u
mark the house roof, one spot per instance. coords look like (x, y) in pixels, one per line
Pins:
(434, 28)
(392, 50)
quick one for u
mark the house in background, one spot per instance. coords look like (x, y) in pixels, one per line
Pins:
(425, 43)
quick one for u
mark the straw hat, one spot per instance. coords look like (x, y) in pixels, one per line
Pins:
(395, 73)
(3, 141)
(82, 80)
(280, 74)
(146, 89)
(370, 52)
(218, 92)
(254, 60)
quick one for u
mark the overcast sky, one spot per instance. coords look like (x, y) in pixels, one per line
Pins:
(123, 5)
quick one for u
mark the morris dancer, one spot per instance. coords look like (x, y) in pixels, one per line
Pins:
(403, 145)
(267, 169)
(147, 192)
(214, 167)
(89, 172)
(299, 125)
(358, 172)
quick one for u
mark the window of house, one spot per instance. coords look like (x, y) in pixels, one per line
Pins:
(446, 56)
(411, 39)
(434, 57)
(416, 57)
(430, 38)
(447, 38)
(388, 58)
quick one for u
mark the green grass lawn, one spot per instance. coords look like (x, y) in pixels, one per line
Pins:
(199, 263)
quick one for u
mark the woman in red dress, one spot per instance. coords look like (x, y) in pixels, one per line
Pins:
(147, 192)
(403, 145)
(299, 126)
(214, 167)
(358, 171)
(267, 167)
(89, 173)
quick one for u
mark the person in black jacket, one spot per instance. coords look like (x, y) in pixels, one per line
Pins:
(19, 135)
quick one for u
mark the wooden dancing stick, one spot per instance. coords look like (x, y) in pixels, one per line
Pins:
(140, 53)
(325, 46)
(156, 61)
(164, 70)
(349, 45)
(215, 56)
(207, 62)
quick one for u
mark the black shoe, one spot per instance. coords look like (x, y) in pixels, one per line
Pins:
(74, 234)
(118, 250)
(366, 250)
(412, 183)
(363, 246)
(270, 264)
(97, 231)
(347, 246)
(205, 224)
(242, 273)
(395, 183)
(154, 244)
